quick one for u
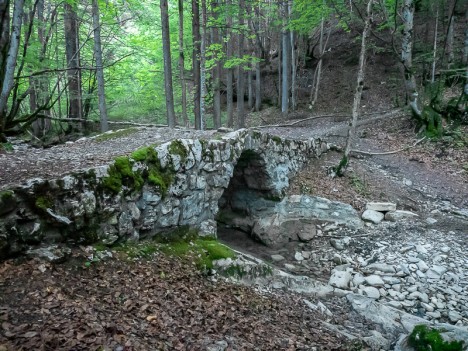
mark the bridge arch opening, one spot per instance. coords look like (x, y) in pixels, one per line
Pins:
(251, 188)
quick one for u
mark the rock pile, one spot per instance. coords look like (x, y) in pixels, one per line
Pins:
(407, 262)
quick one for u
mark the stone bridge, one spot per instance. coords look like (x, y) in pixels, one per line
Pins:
(151, 191)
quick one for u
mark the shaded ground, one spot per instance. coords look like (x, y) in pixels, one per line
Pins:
(147, 304)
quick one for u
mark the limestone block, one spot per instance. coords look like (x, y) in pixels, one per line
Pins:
(398, 215)
(381, 206)
(340, 279)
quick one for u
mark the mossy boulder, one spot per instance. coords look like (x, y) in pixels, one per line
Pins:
(7, 201)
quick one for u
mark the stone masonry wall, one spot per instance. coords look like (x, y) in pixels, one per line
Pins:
(144, 194)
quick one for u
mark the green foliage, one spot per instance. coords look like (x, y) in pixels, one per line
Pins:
(339, 170)
(8, 147)
(424, 339)
(359, 184)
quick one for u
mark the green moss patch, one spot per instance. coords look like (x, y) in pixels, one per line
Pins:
(424, 339)
(121, 173)
(43, 202)
(117, 134)
(7, 201)
(178, 148)
(201, 251)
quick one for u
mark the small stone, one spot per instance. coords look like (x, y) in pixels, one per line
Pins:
(435, 272)
(371, 292)
(372, 216)
(298, 256)
(431, 220)
(427, 307)
(421, 249)
(435, 314)
(307, 235)
(306, 254)
(422, 266)
(381, 206)
(340, 279)
(289, 266)
(394, 304)
(382, 267)
(454, 316)
(277, 258)
(374, 280)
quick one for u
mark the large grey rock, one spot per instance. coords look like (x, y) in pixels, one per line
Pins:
(372, 216)
(52, 253)
(398, 215)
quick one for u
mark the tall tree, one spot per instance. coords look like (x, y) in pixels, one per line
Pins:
(99, 68)
(72, 50)
(229, 74)
(216, 68)
(9, 46)
(358, 93)
(171, 120)
(196, 62)
(407, 56)
(182, 63)
(240, 69)
(286, 61)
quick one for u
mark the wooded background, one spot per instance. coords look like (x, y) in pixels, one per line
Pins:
(213, 63)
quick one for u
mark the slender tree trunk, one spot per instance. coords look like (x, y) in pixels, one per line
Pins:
(216, 72)
(286, 64)
(9, 64)
(318, 71)
(171, 119)
(358, 94)
(407, 56)
(258, 87)
(203, 66)
(72, 50)
(434, 51)
(99, 68)
(229, 76)
(182, 64)
(450, 56)
(293, 69)
(465, 56)
(250, 89)
(240, 70)
(196, 61)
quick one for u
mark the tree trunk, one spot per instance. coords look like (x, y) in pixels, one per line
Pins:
(203, 66)
(450, 56)
(258, 87)
(318, 70)
(196, 62)
(286, 64)
(170, 114)
(358, 94)
(182, 64)
(293, 69)
(229, 77)
(434, 51)
(407, 56)
(9, 64)
(216, 72)
(250, 90)
(99, 68)
(72, 50)
(240, 69)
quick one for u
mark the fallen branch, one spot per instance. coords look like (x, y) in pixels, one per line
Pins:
(292, 124)
(388, 152)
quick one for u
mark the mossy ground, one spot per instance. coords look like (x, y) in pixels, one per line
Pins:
(117, 134)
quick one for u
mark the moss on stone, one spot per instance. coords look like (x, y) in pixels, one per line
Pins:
(120, 174)
(43, 202)
(7, 201)
(6, 195)
(117, 134)
(161, 179)
(178, 148)
(424, 339)
(146, 155)
(276, 139)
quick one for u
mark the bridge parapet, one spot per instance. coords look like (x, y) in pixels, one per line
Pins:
(178, 183)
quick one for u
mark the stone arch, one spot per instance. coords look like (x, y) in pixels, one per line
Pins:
(250, 181)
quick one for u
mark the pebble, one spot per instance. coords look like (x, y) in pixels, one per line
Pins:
(277, 258)
(374, 280)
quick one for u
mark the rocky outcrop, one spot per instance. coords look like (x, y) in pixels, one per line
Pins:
(154, 189)
(294, 218)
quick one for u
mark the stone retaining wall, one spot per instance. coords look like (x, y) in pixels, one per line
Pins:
(178, 183)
